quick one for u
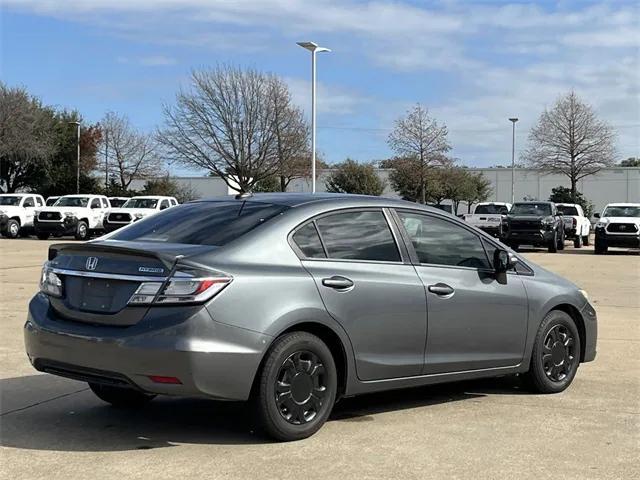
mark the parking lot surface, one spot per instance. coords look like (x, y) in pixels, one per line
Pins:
(53, 428)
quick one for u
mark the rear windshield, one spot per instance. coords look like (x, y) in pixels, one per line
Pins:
(201, 223)
(569, 211)
(531, 209)
(491, 209)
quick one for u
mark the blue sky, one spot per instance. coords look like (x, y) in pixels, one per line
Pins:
(473, 64)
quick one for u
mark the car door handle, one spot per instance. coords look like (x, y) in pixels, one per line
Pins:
(337, 282)
(441, 289)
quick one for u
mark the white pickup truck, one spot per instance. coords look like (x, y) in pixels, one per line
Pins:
(618, 226)
(576, 225)
(16, 213)
(136, 208)
(488, 217)
(77, 215)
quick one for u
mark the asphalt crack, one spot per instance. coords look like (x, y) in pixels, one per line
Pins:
(43, 402)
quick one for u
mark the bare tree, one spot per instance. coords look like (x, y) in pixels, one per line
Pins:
(128, 154)
(291, 135)
(421, 141)
(27, 139)
(224, 124)
(571, 140)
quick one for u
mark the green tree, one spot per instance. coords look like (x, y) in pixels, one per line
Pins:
(269, 184)
(353, 177)
(563, 195)
(479, 190)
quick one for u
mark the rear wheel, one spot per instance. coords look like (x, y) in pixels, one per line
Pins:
(577, 242)
(42, 236)
(586, 240)
(13, 229)
(296, 387)
(556, 354)
(121, 397)
(561, 239)
(82, 230)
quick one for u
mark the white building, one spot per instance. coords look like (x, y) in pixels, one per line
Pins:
(607, 186)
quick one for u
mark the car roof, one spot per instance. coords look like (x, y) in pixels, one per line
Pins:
(18, 194)
(290, 199)
(623, 205)
(533, 202)
(568, 204)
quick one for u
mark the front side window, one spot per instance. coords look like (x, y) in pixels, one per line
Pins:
(534, 209)
(440, 242)
(164, 204)
(72, 202)
(201, 223)
(95, 203)
(39, 201)
(28, 202)
(308, 241)
(361, 235)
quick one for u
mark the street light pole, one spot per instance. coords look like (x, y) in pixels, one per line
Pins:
(313, 48)
(513, 157)
(78, 158)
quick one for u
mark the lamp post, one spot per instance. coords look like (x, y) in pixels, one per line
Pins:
(313, 48)
(513, 157)
(78, 159)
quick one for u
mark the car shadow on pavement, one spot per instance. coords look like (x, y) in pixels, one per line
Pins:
(42, 412)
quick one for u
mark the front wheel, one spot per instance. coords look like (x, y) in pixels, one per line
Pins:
(556, 354)
(121, 397)
(601, 247)
(586, 240)
(296, 387)
(553, 244)
(577, 242)
(82, 230)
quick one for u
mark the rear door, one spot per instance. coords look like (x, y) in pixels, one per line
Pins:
(368, 288)
(475, 322)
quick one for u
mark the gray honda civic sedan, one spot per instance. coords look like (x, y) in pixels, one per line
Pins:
(293, 301)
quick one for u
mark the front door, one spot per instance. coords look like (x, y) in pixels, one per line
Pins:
(366, 287)
(474, 322)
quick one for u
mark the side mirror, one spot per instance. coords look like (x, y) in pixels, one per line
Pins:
(596, 215)
(501, 261)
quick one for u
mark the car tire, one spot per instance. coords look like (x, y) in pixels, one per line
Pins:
(553, 244)
(82, 230)
(556, 354)
(121, 397)
(296, 387)
(42, 236)
(561, 240)
(577, 242)
(12, 229)
(586, 240)
(600, 248)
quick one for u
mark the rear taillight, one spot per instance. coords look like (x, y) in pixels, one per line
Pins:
(575, 222)
(184, 286)
(50, 283)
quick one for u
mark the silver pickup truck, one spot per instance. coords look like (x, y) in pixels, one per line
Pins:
(488, 217)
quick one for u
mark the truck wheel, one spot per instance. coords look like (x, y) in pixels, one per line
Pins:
(577, 241)
(601, 247)
(42, 236)
(82, 230)
(561, 240)
(553, 244)
(13, 229)
(586, 241)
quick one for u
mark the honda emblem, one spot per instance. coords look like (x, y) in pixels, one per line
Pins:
(92, 263)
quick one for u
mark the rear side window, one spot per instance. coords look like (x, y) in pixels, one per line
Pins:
(440, 242)
(308, 241)
(201, 223)
(105, 204)
(358, 236)
(39, 201)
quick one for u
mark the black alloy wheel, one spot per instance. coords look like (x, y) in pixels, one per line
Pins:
(558, 353)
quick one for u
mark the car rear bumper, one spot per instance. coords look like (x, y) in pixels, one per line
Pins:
(67, 226)
(618, 240)
(210, 359)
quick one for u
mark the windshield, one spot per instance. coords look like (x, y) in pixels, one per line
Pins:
(537, 209)
(51, 201)
(140, 203)
(567, 210)
(621, 211)
(201, 223)
(72, 202)
(117, 202)
(491, 209)
(10, 201)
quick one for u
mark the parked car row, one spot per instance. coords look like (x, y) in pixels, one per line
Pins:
(548, 224)
(80, 216)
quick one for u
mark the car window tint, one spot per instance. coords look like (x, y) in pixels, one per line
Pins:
(358, 236)
(95, 203)
(440, 242)
(104, 203)
(308, 241)
(39, 201)
(201, 223)
(28, 202)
